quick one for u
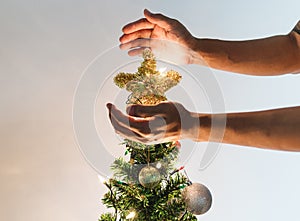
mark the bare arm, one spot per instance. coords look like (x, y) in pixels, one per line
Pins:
(269, 56)
(272, 129)
(277, 129)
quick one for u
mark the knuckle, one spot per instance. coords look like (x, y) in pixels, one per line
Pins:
(145, 132)
(159, 15)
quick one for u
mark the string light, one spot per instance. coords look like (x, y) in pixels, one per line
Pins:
(131, 215)
(158, 165)
(177, 170)
(101, 179)
(162, 70)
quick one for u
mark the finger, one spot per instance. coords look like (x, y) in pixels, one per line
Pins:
(121, 130)
(146, 110)
(158, 124)
(145, 33)
(127, 132)
(140, 24)
(154, 131)
(144, 42)
(136, 51)
(137, 125)
(159, 19)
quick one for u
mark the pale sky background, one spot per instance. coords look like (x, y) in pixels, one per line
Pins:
(45, 47)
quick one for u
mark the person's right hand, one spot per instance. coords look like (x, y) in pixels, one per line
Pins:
(159, 123)
(160, 33)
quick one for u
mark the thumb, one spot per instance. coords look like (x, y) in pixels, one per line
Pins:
(144, 111)
(159, 19)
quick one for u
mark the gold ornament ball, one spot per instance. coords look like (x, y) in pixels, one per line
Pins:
(149, 177)
(197, 198)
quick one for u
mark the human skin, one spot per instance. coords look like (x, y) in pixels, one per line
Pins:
(277, 129)
(268, 56)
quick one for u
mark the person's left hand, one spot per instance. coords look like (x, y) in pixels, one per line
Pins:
(168, 38)
(159, 123)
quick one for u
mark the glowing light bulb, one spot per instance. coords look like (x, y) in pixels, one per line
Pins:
(131, 215)
(158, 165)
(101, 179)
(162, 69)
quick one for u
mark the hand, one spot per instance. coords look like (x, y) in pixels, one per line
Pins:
(173, 37)
(159, 123)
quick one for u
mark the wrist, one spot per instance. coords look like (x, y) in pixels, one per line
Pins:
(200, 127)
(195, 52)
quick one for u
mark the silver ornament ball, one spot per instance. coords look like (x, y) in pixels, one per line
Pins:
(197, 198)
(149, 177)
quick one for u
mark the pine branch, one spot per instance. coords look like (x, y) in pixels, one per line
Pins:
(162, 201)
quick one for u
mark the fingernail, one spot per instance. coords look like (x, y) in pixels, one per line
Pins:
(122, 46)
(109, 105)
(130, 110)
(147, 11)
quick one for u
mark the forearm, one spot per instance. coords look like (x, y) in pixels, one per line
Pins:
(269, 56)
(273, 129)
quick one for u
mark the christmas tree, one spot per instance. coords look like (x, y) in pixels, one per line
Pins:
(148, 186)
